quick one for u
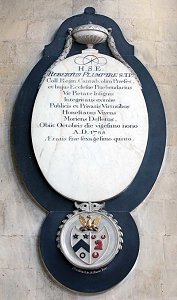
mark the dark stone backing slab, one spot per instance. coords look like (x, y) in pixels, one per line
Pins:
(60, 206)
(63, 271)
(21, 123)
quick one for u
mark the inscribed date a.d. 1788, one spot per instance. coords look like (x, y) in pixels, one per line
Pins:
(89, 127)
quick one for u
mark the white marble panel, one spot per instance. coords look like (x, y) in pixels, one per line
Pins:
(89, 127)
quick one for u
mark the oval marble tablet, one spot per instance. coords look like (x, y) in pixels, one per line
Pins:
(89, 127)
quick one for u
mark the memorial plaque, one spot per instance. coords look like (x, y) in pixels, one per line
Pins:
(94, 150)
(89, 127)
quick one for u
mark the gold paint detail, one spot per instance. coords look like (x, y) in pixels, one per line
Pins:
(89, 224)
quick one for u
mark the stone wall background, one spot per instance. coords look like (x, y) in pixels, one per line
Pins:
(25, 27)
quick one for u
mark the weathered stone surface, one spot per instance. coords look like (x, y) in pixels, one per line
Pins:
(20, 52)
(18, 284)
(168, 30)
(149, 258)
(171, 161)
(51, 9)
(14, 254)
(12, 29)
(25, 27)
(138, 29)
(21, 8)
(164, 9)
(170, 253)
(110, 6)
(168, 93)
(13, 73)
(148, 284)
(172, 136)
(149, 217)
(135, 9)
(165, 187)
(145, 52)
(170, 214)
(8, 93)
(169, 285)
(164, 74)
(47, 29)
(139, 285)
(166, 53)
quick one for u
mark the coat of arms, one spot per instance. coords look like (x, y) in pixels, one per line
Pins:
(90, 239)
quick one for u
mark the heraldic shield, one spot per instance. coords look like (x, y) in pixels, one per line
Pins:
(91, 238)
(90, 246)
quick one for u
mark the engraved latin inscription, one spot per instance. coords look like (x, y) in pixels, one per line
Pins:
(89, 127)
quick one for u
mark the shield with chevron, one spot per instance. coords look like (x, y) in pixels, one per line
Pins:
(89, 246)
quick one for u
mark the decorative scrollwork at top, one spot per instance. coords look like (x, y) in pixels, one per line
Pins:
(90, 60)
(90, 26)
(91, 34)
